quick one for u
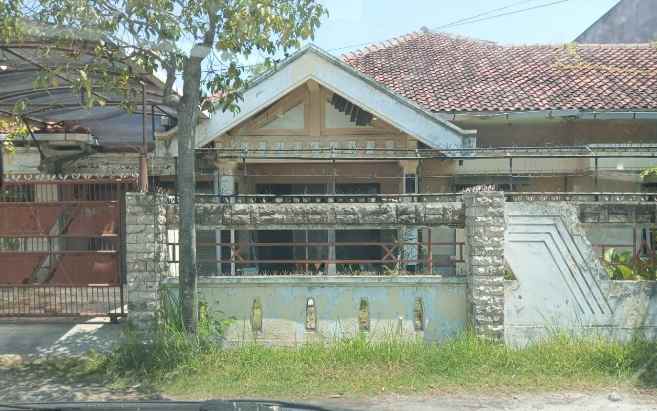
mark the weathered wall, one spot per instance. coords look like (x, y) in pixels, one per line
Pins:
(629, 21)
(25, 160)
(146, 255)
(328, 215)
(113, 164)
(533, 133)
(632, 311)
(392, 305)
(561, 284)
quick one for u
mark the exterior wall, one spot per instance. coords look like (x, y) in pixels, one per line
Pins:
(391, 301)
(629, 21)
(615, 174)
(561, 285)
(328, 215)
(555, 132)
(117, 164)
(387, 174)
(146, 255)
(633, 312)
(25, 160)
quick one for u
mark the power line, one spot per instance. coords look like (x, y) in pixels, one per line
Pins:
(473, 19)
(503, 14)
(483, 16)
(487, 12)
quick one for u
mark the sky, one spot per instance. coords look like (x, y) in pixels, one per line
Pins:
(354, 22)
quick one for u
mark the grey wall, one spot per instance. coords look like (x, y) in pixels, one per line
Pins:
(630, 21)
(391, 302)
(561, 285)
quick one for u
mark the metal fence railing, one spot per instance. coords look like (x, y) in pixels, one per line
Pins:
(327, 198)
(582, 197)
(245, 252)
(43, 300)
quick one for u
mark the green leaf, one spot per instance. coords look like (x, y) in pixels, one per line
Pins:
(609, 255)
(626, 273)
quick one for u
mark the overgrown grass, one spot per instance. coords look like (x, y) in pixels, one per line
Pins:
(198, 367)
(358, 366)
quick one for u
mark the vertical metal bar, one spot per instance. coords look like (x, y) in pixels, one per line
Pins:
(595, 178)
(217, 233)
(511, 174)
(123, 264)
(153, 121)
(429, 251)
(143, 160)
(331, 267)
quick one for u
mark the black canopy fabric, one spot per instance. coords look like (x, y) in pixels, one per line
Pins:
(20, 66)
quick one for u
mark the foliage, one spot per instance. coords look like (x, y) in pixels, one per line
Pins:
(129, 39)
(169, 350)
(625, 266)
(649, 172)
(13, 129)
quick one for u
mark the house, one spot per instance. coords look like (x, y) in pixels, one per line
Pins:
(629, 21)
(425, 113)
(405, 116)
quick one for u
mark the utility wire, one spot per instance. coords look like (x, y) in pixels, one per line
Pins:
(540, 6)
(473, 19)
(483, 16)
(485, 13)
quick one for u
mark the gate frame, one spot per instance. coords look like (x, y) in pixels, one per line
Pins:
(12, 304)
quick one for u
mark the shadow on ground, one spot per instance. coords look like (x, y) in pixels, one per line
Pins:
(30, 339)
(39, 383)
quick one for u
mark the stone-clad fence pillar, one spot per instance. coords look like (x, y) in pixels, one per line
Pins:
(146, 255)
(484, 262)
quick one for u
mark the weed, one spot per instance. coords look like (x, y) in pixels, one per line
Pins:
(167, 350)
(362, 366)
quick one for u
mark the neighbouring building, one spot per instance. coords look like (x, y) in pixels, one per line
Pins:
(629, 21)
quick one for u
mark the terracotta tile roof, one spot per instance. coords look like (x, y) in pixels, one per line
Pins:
(445, 73)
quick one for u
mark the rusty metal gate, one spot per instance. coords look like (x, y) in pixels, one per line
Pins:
(62, 247)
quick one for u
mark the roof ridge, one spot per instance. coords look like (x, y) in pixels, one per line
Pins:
(618, 45)
(456, 36)
(391, 42)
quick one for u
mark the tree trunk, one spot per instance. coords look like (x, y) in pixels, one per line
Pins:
(188, 112)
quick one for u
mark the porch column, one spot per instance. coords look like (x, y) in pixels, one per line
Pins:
(331, 269)
(226, 174)
(409, 234)
(484, 262)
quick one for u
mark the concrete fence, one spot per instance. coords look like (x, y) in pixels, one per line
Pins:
(558, 274)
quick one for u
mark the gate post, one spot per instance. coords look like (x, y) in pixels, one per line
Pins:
(484, 262)
(146, 254)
